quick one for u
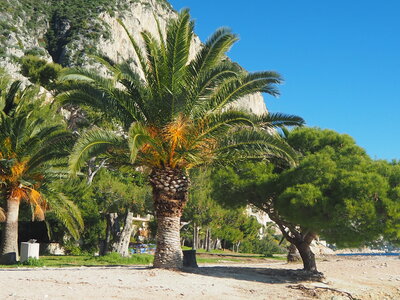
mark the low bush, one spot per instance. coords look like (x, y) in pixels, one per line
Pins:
(34, 262)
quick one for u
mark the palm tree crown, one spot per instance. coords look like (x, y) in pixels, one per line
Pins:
(31, 146)
(179, 115)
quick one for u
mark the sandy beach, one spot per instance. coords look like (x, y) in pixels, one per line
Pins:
(362, 278)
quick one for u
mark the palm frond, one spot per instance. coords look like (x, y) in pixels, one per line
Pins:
(200, 89)
(38, 202)
(67, 212)
(138, 51)
(55, 147)
(161, 37)
(83, 75)
(137, 89)
(133, 111)
(101, 98)
(9, 98)
(231, 90)
(106, 62)
(179, 38)
(178, 114)
(277, 120)
(2, 215)
(154, 62)
(28, 140)
(255, 143)
(138, 137)
(93, 143)
(217, 124)
(213, 51)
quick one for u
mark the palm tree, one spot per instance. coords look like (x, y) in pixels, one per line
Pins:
(31, 146)
(175, 118)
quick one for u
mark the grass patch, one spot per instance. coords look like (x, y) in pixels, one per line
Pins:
(116, 259)
(211, 260)
(219, 251)
(215, 256)
(85, 260)
(34, 262)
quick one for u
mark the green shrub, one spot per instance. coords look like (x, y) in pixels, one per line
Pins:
(40, 71)
(266, 246)
(34, 262)
(34, 52)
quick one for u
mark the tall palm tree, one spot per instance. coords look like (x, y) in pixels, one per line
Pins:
(175, 117)
(31, 147)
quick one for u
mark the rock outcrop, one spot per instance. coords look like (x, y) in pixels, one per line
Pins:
(26, 30)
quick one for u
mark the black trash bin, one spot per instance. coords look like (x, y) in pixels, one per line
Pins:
(189, 259)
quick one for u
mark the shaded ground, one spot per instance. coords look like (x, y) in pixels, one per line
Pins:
(364, 278)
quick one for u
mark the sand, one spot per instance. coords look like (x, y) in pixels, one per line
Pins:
(363, 278)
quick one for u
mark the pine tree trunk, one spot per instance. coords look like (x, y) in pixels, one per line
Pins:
(237, 247)
(307, 256)
(9, 241)
(121, 245)
(111, 220)
(170, 196)
(208, 239)
(195, 236)
(198, 242)
(293, 254)
(217, 244)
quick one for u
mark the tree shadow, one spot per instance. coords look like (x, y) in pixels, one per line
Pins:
(257, 274)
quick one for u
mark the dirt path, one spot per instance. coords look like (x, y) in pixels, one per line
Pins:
(364, 278)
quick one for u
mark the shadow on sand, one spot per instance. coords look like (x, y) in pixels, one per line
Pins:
(257, 274)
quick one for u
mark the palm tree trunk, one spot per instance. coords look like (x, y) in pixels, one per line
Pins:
(168, 252)
(170, 196)
(9, 242)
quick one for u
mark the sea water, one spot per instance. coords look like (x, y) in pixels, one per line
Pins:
(370, 254)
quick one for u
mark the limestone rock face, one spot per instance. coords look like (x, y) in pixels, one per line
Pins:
(137, 16)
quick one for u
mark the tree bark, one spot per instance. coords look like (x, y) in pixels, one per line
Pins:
(9, 241)
(195, 237)
(170, 194)
(112, 229)
(237, 246)
(296, 235)
(217, 244)
(293, 254)
(121, 245)
(168, 252)
(307, 256)
(208, 239)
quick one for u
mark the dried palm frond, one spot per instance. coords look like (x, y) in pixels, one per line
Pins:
(2, 215)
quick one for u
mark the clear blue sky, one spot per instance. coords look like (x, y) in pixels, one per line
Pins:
(340, 60)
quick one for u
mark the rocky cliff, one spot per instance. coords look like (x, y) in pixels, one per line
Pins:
(65, 32)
